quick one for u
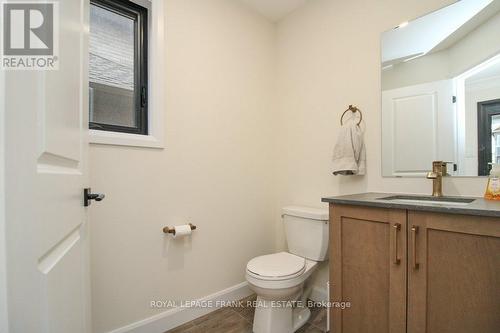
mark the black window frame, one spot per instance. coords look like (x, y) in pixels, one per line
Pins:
(485, 111)
(141, 29)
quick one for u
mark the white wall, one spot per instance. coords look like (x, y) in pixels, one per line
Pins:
(328, 58)
(429, 68)
(478, 46)
(216, 170)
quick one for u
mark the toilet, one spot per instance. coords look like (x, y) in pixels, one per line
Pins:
(279, 279)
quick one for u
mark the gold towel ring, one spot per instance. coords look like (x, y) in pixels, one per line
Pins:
(353, 109)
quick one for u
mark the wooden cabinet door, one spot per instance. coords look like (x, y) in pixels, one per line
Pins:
(453, 273)
(368, 269)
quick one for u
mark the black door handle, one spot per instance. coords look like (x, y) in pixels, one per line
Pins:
(88, 197)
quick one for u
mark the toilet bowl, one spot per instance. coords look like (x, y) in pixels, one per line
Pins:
(280, 279)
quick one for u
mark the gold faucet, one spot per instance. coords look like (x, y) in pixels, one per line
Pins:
(438, 172)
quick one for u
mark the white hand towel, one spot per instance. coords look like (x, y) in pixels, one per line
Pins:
(349, 154)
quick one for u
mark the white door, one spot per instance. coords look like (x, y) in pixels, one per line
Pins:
(46, 172)
(418, 127)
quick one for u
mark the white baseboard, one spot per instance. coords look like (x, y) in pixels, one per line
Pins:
(319, 294)
(175, 317)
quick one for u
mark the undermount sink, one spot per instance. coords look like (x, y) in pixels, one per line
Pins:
(429, 200)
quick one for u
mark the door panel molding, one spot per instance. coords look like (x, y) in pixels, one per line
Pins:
(406, 113)
(50, 259)
(50, 163)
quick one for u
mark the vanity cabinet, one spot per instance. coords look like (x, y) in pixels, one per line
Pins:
(453, 273)
(413, 271)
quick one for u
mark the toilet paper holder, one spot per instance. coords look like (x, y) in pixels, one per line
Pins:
(171, 230)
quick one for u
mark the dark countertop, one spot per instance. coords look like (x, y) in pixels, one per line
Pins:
(479, 207)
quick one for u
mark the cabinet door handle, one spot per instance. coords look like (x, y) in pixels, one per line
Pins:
(414, 231)
(395, 228)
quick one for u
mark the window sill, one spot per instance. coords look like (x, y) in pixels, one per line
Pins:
(124, 139)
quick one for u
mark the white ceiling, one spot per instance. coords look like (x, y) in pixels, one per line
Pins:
(274, 10)
(490, 72)
(423, 34)
(488, 12)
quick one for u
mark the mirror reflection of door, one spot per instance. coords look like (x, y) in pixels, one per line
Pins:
(488, 120)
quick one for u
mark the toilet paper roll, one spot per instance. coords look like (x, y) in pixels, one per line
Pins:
(182, 230)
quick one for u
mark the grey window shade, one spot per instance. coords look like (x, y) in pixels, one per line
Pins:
(118, 66)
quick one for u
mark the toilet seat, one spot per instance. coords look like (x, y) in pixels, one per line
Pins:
(276, 266)
(288, 281)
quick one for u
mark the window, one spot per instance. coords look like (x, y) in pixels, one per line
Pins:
(488, 130)
(118, 73)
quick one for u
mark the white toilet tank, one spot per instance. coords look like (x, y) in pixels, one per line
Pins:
(307, 231)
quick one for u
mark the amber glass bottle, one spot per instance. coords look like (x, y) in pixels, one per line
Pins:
(493, 187)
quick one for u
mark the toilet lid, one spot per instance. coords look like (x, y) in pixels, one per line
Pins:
(275, 265)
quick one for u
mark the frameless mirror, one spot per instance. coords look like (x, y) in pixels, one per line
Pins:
(441, 91)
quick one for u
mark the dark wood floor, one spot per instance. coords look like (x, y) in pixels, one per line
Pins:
(240, 320)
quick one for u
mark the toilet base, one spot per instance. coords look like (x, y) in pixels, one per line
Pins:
(300, 317)
(270, 318)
